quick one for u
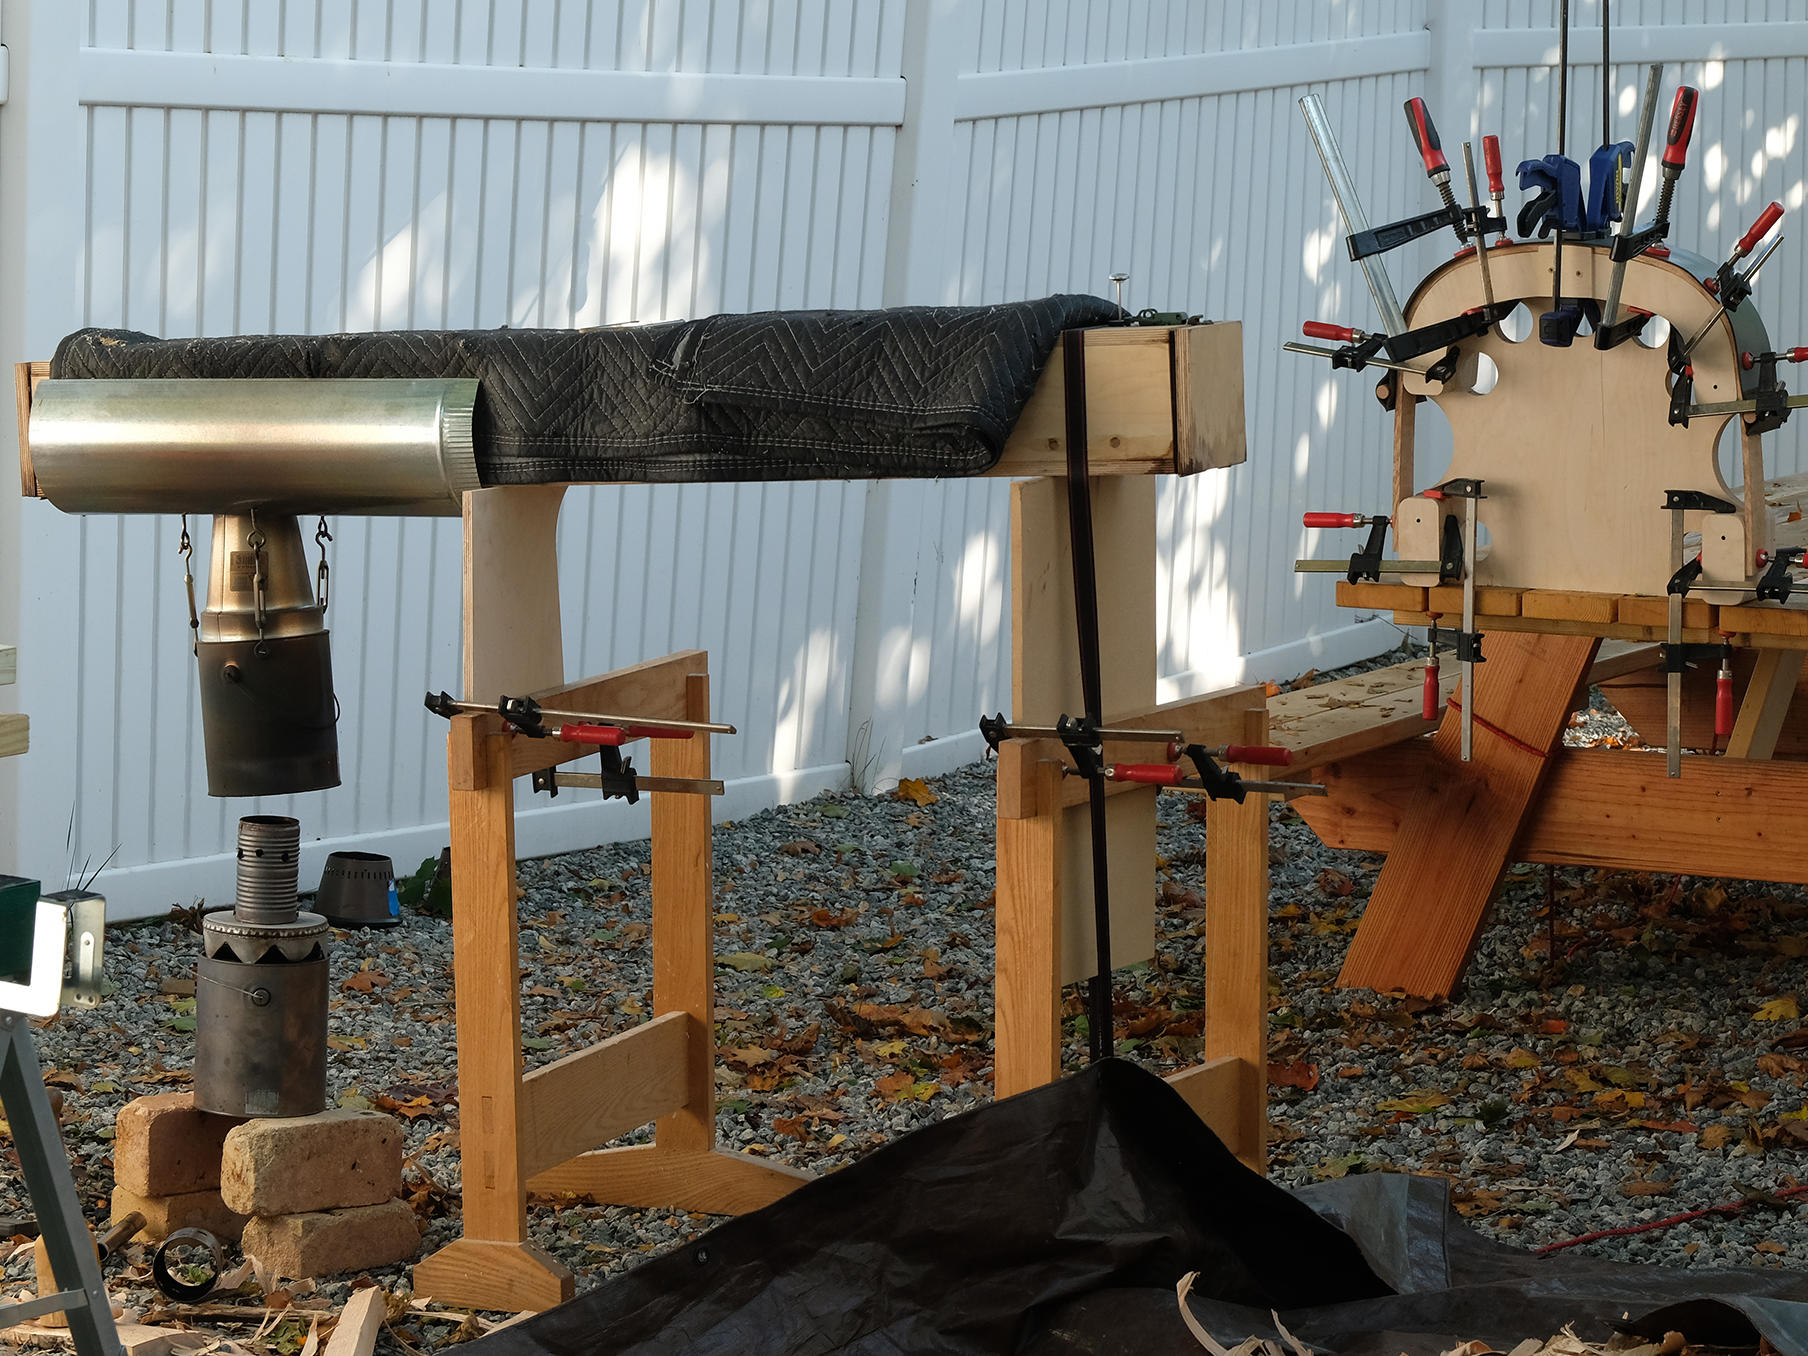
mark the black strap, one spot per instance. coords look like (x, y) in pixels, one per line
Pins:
(1086, 615)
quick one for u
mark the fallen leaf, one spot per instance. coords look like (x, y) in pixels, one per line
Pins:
(1777, 1010)
(1772, 1247)
(915, 791)
(1647, 1188)
(1297, 1074)
(747, 961)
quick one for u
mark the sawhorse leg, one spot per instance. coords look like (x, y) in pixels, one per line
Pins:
(492, 1266)
(1431, 898)
(682, 1169)
(52, 1190)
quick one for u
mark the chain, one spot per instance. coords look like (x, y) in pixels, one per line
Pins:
(256, 541)
(186, 549)
(321, 537)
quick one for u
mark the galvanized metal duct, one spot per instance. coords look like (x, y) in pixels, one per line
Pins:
(367, 446)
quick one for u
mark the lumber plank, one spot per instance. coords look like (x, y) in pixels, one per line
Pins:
(1381, 597)
(654, 688)
(1640, 610)
(512, 638)
(9, 665)
(1129, 409)
(1210, 718)
(1432, 894)
(1027, 923)
(1559, 605)
(359, 1323)
(1492, 601)
(26, 377)
(1236, 944)
(1341, 719)
(684, 958)
(1727, 817)
(489, 1274)
(15, 735)
(648, 1177)
(588, 1098)
(1406, 418)
(1208, 397)
(1045, 682)
(1220, 1091)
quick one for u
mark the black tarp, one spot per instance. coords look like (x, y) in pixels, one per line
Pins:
(1058, 1221)
(776, 395)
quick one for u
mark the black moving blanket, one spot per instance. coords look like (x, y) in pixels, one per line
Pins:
(1057, 1222)
(777, 395)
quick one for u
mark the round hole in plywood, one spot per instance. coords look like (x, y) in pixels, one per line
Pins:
(1487, 375)
(1656, 333)
(1516, 326)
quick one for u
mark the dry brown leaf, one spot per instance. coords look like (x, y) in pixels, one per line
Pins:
(915, 791)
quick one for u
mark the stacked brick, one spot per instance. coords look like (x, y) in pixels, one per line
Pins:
(308, 1196)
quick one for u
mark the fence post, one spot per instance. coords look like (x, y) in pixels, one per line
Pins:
(41, 223)
(938, 34)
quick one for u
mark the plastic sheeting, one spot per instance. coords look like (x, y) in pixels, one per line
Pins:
(1059, 1221)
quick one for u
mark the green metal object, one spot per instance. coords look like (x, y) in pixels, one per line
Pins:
(18, 916)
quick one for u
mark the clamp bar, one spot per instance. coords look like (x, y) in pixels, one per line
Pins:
(1611, 314)
(524, 713)
(1349, 204)
(596, 781)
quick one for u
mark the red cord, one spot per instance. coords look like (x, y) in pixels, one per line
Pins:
(1729, 1208)
(1495, 730)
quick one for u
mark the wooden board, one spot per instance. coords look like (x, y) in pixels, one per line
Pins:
(1574, 445)
(1208, 397)
(511, 591)
(1045, 683)
(1129, 409)
(9, 665)
(1236, 945)
(1765, 709)
(1027, 942)
(1723, 817)
(1429, 901)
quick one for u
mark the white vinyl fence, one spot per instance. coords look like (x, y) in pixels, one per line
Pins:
(245, 166)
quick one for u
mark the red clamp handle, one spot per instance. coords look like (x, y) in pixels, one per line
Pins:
(1430, 703)
(614, 736)
(1425, 137)
(1491, 158)
(1682, 127)
(1795, 355)
(1760, 228)
(1261, 755)
(1154, 774)
(1329, 519)
(1319, 329)
(1723, 705)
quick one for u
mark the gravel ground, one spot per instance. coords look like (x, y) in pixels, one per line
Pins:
(1628, 1046)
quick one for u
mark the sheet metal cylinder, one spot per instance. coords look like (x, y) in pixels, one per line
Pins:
(373, 446)
(261, 986)
(260, 1037)
(269, 720)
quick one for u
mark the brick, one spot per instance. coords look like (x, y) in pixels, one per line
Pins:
(163, 1215)
(331, 1242)
(163, 1146)
(293, 1165)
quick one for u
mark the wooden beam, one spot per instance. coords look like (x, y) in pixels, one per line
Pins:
(512, 641)
(1211, 718)
(1605, 808)
(1208, 397)
(1220, 1091)
(655, 689)
(1430, 900)
(1406, 418)
(1767, 700)
(684, 958)
(355, 1334)
(584, 1100)
(1236, 945)
(647, 1177)
(9, 665)
(1129, 410)
(15, 735)
(1027, 924)
(26, 377)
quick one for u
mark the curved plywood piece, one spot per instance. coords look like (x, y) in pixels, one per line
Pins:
(1575, 444)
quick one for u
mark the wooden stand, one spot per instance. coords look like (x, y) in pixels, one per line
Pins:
(1159, 400)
